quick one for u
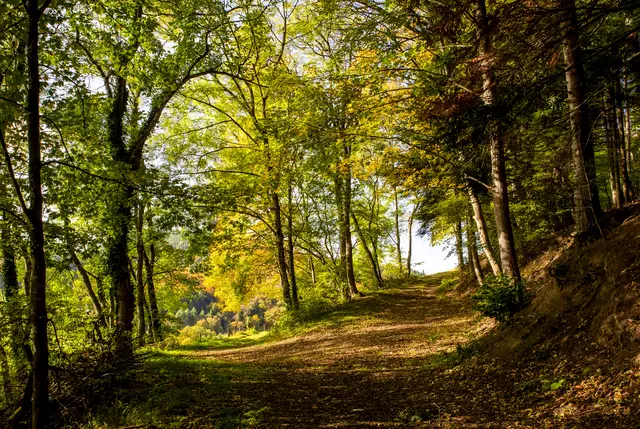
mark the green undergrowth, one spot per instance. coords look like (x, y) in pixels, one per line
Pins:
(179, 389)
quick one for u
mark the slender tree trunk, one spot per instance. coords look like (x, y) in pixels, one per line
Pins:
(139, 273)
(346, 216)
(613, 153)
(312, 268)
(150, 261)
(342, 266)
(481, 226)
(506, 241)
(627, 118)
(410, 240)
(586, 198)
(6, 376)
(367, 251)
(282, 259)
(627, 187)
(457, 229)
(97, 306)
(39, 318)
(397, 224)
(474, 259)
(292, 272)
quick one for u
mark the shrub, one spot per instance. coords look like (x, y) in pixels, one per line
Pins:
(499, 297)
(447, 284)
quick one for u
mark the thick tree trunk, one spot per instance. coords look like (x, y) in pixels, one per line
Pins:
(292, 272)
(97, 306)
(282, 259)
(150, 262)
(140, 274)
(586, 199)
(118, 246)
(506, 241)
(39, 319)
(367, 251)
(481, 226)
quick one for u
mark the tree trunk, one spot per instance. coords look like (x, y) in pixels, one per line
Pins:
(97, 306)
(292, 272)
(457, 229)
(342, 266)
(506, 241)
(118, 246)
(139, 273)
(410, 240)
(612, 153)
(397, 224)
(346, 216)
(312, 268)
(474, 259)
(367, 251)
(586, 199)
(481, 226)
(282, 260)
(5, 373)
(627, 187)
(150, 262)
(39, 319)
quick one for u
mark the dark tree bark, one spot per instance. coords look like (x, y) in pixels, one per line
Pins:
(506, 241)
(481, 226)
(118, 246)
(140, 274)
(9, 270)
(292, 272)
(282, 259)
(150, 261)
(346, 216)
(586, 199)
(38, 301)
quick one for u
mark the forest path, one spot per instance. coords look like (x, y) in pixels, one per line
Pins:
(367, 365)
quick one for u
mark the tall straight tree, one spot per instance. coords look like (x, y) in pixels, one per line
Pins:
(502, 214)
(586, 201)
(38, 301)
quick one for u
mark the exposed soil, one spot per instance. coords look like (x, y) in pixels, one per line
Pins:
(399, 358)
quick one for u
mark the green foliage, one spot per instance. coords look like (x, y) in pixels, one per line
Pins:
(499, 297)
(447, 284)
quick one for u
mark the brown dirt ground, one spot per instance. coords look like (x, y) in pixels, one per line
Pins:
(408, 357)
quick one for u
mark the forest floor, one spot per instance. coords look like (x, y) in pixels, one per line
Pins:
(402, 357)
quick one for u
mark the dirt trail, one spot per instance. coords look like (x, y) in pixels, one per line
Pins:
(366, 369)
